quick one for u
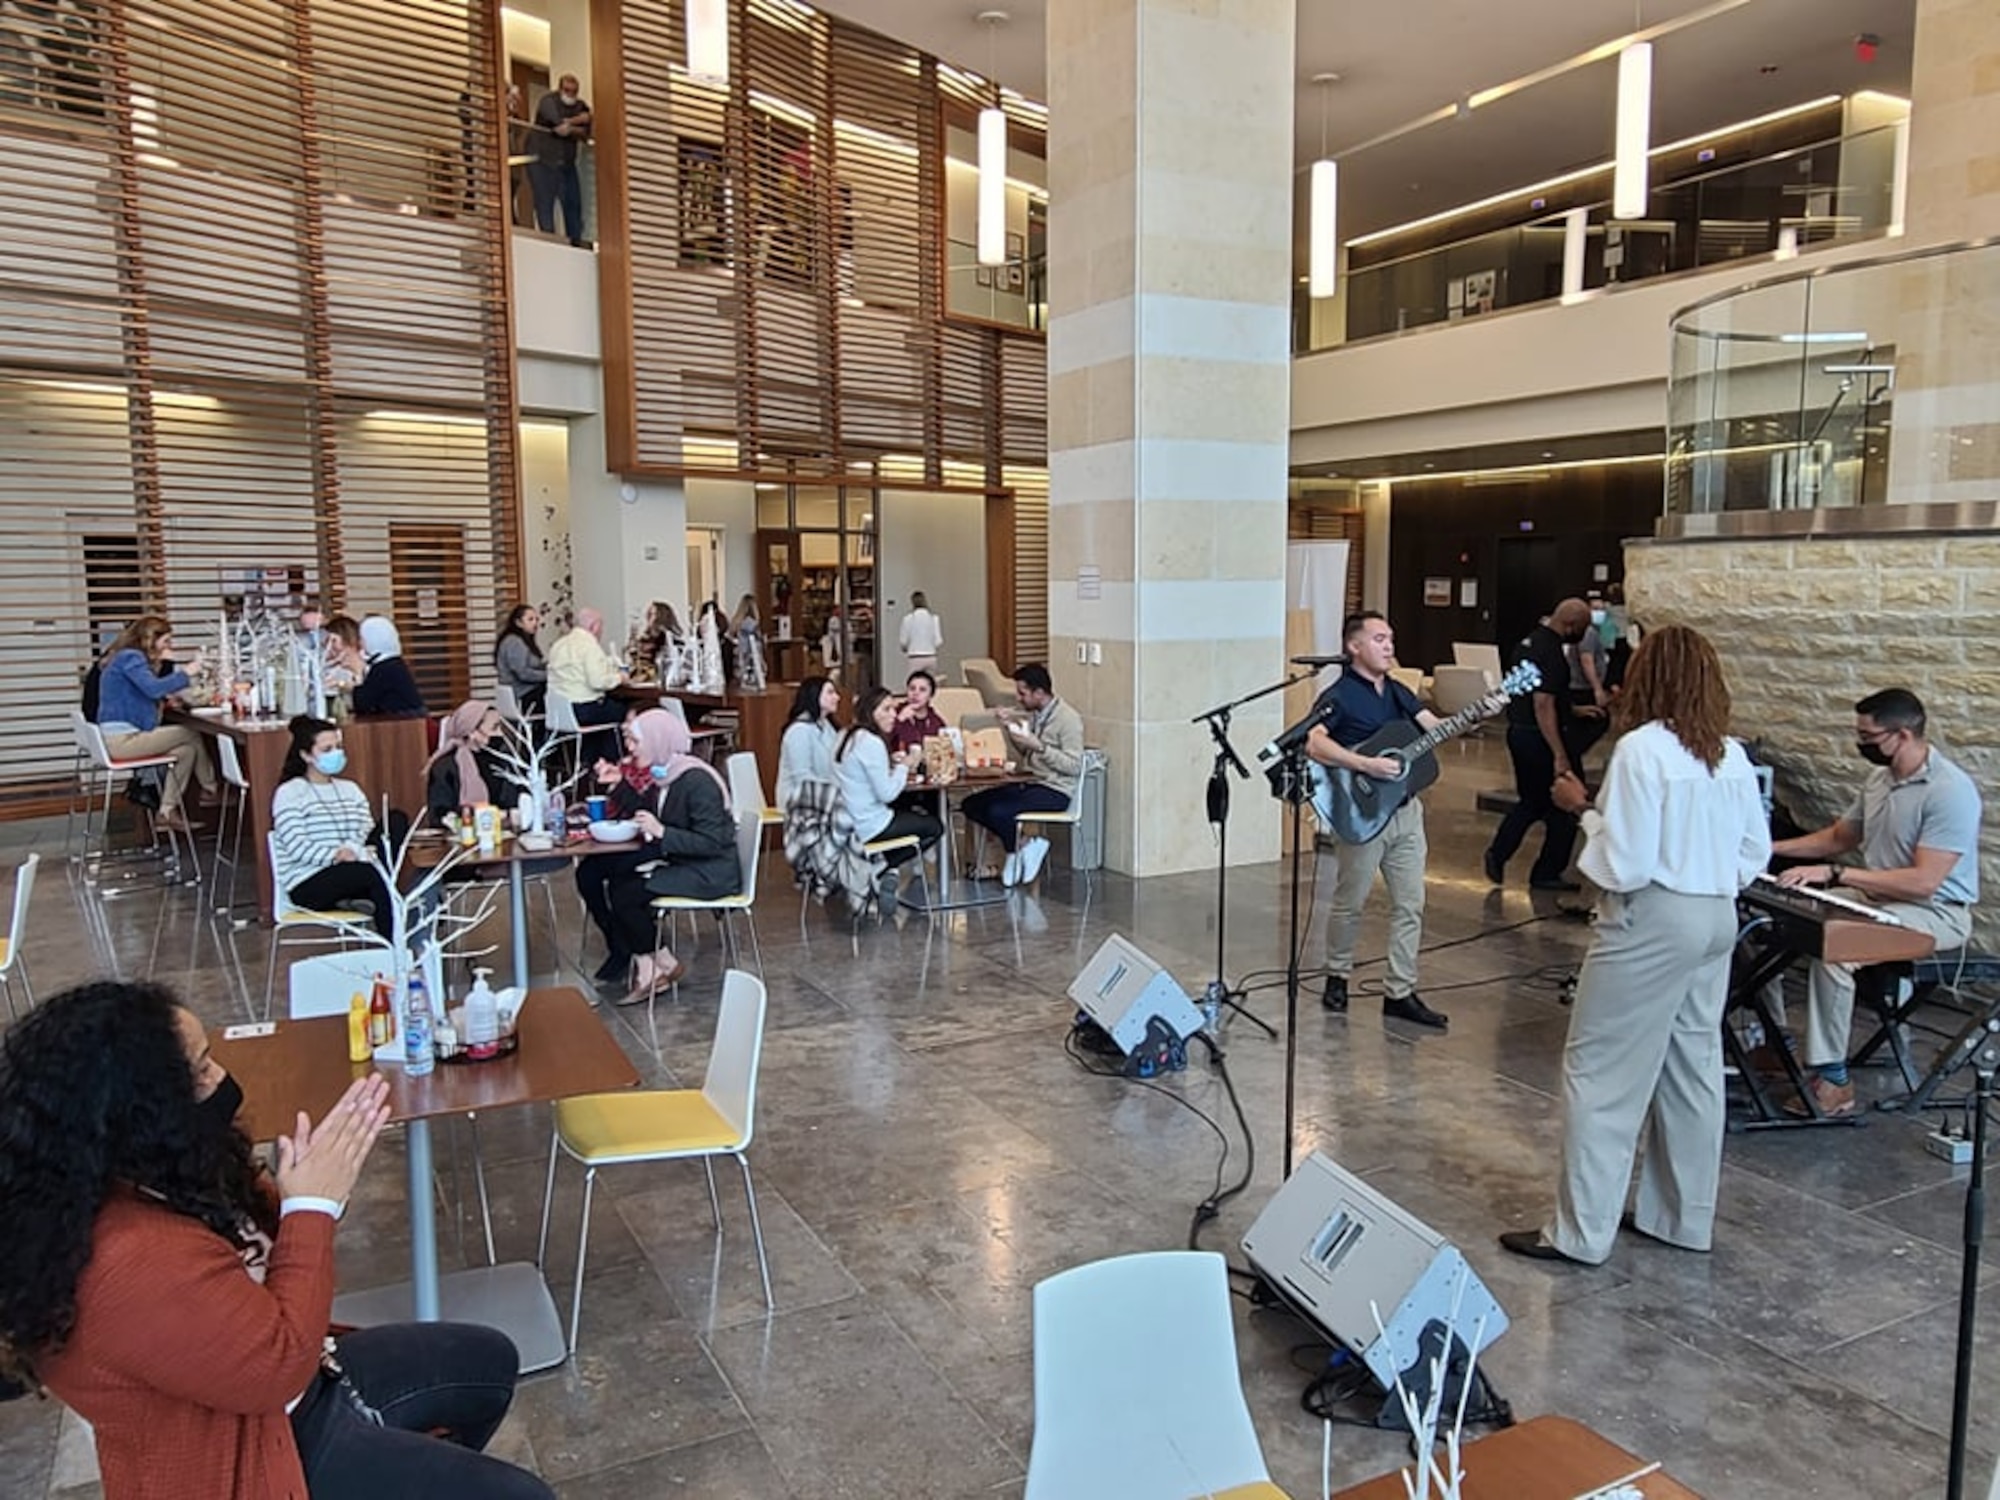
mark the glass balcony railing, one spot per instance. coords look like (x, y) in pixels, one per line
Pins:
(1832, 390)
(1831, 192)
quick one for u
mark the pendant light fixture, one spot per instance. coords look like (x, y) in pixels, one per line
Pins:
(1323, 208)
(991, 234)
(1634, 129)
(708, 40)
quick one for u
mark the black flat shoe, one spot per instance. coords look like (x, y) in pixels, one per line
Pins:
(1334, 996)
(1496, 868)
(1529, 1242)
(1411, 1008)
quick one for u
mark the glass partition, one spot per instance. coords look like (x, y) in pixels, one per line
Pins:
(1851, 386)
(1802, 199)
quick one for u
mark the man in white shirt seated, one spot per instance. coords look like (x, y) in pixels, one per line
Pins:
(1682, 831)
(581, 670)
(1916, 825)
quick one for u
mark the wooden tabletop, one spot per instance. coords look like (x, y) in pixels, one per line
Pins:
(429, 847)
(1549, 1458)
(204, 722)
(565, 1051)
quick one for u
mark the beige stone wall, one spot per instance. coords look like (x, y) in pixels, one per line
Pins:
(1807, 626)
(1954, 184)
(1170, 125)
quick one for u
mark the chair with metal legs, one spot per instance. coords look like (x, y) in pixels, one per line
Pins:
(337, 929)
(239, 784)
(12, 962)
(717, 1119)
(749, 846)
(96, 752)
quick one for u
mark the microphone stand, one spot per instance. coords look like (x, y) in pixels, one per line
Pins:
(1290, 780)
(1219, 996)
(1984, 1063)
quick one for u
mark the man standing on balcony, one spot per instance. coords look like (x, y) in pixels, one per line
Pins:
(562, 123)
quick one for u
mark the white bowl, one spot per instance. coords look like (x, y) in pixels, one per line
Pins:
(209, 713)
(614, 831)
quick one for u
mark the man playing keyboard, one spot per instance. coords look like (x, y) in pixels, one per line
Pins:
(1916, 825)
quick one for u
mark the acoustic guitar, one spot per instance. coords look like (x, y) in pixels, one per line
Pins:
(1355, 808)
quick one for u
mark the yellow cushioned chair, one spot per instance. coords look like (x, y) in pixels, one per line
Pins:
(608, 1130)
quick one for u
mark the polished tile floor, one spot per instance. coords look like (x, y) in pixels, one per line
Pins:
(927, 1152)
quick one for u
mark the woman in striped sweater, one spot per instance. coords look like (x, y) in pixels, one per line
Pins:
(322, 828)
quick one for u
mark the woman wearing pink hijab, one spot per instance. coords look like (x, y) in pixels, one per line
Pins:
(683, 816)
(464, 771)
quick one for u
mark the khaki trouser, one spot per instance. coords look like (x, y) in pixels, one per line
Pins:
(1399, 854)
(1830, 987)
(1645, 1055)
(177, 740)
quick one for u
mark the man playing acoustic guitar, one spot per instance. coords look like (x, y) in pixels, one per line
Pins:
(1363, 701)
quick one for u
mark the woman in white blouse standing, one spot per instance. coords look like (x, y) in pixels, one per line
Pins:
(1681, 832)
(322, 826)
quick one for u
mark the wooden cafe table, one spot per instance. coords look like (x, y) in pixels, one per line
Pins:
(302, 1065)
(976, 892)
(1547, 1458)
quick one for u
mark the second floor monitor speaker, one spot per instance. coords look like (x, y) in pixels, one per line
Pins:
(1331, 1246)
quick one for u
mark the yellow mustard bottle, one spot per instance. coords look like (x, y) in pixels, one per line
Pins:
(358, 1049)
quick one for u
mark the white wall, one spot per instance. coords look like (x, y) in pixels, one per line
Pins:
(545, 519)
(626, 534)
(936, 543)
(555, 299)
(732, 505)
(1599, 365)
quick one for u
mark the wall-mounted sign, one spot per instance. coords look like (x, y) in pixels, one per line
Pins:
(1437, 592)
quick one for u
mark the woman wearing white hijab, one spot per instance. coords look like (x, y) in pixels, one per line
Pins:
(388, 688)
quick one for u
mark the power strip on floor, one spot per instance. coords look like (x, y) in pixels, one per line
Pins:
(1955, 1149)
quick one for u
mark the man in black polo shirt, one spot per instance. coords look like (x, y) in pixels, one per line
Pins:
(1539, 730)
(1362, 701)
(562, 123)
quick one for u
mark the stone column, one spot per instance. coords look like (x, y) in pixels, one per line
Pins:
(1954, 183)
(1170, 182)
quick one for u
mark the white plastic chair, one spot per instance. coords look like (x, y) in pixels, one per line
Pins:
(749, 847)
(337, 929)
(718, 1119)
(99, 762)
(11, 960)
(237, 782)
(1137, 1391)
(746, 787)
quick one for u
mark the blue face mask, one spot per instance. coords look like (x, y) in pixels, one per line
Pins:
(330, 763)
(659, 772)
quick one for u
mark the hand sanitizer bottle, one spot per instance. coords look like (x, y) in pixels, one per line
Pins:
(482, 1017)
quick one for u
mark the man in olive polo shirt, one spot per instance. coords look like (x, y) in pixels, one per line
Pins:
(1916, 825)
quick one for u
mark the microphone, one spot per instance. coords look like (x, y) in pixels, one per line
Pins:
(1293, 737)
(1322, 661)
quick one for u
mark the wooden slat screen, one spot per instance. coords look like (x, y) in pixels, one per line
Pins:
(771, 273)
(252, 241)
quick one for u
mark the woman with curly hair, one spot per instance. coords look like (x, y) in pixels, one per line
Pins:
(1682, 831)
(153, 1278)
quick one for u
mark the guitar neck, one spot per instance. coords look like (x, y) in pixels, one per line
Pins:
(1449, 729)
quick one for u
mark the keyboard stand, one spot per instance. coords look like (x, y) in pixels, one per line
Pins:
(1753, 966)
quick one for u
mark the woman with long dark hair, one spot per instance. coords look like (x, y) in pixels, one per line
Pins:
(1682, 831)
(872, 777)
(154, 1279)
(806, 752)
(134, 681)
(322, 828)
(517, 658)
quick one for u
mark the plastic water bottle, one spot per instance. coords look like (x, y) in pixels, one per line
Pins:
(418, 1055)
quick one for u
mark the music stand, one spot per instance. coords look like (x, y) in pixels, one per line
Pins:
(1219, 996)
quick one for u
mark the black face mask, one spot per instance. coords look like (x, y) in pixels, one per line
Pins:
(220, 1108)
(1874, 754)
